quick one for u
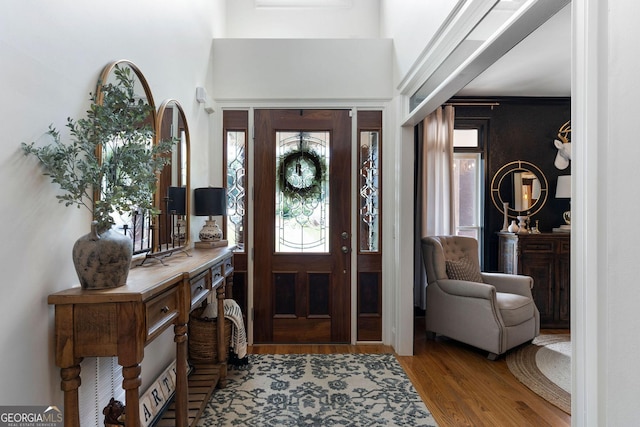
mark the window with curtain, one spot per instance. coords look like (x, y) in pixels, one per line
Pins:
(468, 183)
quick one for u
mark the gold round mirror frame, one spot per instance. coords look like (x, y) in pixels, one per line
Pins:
(506, 171)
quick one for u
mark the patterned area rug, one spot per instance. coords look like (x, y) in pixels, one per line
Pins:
(317, 390)
(545, 367)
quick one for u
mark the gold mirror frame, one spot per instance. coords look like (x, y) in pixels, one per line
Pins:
(174, 169)
(506, 171)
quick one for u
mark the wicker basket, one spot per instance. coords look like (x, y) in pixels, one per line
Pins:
(203, 338)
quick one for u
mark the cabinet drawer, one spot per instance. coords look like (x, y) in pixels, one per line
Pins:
(228, 266)
(216, 275)
(565, 247)
(538, 247)
(161, 311)
(200, 286)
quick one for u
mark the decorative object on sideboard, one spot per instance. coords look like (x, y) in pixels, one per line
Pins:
(513, 227)
(505, 211)
(522, 224)
(563, 144)
(536, 228)
(176, 210)
(210, 201)
(563, 191)
(112, 147)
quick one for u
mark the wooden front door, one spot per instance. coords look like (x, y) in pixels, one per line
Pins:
(302, 291)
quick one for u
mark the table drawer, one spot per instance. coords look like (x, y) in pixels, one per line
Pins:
(216, 275)
(200, 286)
(161, 311)
(228, 266)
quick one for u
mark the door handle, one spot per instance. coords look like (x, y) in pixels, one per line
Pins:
(344, 249)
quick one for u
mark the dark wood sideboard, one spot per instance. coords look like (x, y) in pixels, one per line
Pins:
(122, 321)
(545, 257)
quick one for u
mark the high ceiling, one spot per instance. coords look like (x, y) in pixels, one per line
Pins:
(540, 65)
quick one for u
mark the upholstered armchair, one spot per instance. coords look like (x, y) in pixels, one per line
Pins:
(491, 311)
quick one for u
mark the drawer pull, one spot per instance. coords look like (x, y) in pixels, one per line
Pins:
(165, 309)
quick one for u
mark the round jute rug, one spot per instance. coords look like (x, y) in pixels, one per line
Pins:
(545, 367)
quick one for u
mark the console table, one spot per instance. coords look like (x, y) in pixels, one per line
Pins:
(545, 257)
(122, 321)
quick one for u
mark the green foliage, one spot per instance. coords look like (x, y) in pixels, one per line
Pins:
(111, 154)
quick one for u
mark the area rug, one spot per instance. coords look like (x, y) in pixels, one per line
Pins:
(317, 390)
(545, 367)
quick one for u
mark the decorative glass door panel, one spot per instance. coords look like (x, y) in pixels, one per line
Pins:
(369, 197)
(302, 192)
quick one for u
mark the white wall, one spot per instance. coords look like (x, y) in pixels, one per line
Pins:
(51, 54)
(359, 20)
(411, 24)
(302, 69)
(605, 316)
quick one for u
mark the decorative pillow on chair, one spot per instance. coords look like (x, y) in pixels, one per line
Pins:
(463, 269)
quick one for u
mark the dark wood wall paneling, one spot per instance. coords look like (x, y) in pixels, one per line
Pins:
(520, 129)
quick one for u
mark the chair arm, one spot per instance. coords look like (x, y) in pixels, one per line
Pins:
(511, 283)
(464, 288)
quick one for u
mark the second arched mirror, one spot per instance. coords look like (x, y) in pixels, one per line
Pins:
(173, 193)
(520, 187)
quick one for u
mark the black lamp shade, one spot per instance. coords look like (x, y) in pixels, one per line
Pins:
(177, 200)
(210, 201)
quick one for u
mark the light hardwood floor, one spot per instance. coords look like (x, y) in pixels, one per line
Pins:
(459, 385)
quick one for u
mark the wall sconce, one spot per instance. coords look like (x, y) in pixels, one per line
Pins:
(202, 98)
(210, 201)
(563, 191)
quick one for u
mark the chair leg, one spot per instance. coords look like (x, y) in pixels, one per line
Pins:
(431, 336)
(492, 357)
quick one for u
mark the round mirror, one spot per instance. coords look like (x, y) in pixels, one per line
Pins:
(173, 193)
(521, 186)
(130, 119)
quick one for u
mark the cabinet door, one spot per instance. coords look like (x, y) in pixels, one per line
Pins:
(542, 268)
(562, 298)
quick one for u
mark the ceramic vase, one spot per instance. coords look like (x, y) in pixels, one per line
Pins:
(210, 232)
(513, 227)
(102, 260)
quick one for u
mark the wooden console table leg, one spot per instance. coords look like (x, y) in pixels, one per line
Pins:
(131, 385)
(222, 356)
(68, 362)
(182, 387)
(70, 384)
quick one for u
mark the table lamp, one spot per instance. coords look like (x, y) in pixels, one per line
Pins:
(210, 201)
(563, 191)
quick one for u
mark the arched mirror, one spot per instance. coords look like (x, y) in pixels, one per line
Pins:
(521, 187)
(173, 193)
(129, 119)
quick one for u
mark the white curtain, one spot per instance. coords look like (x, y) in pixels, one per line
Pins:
(435, 212)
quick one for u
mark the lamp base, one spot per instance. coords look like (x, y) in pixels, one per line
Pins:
(212, 244)
(210, 232)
